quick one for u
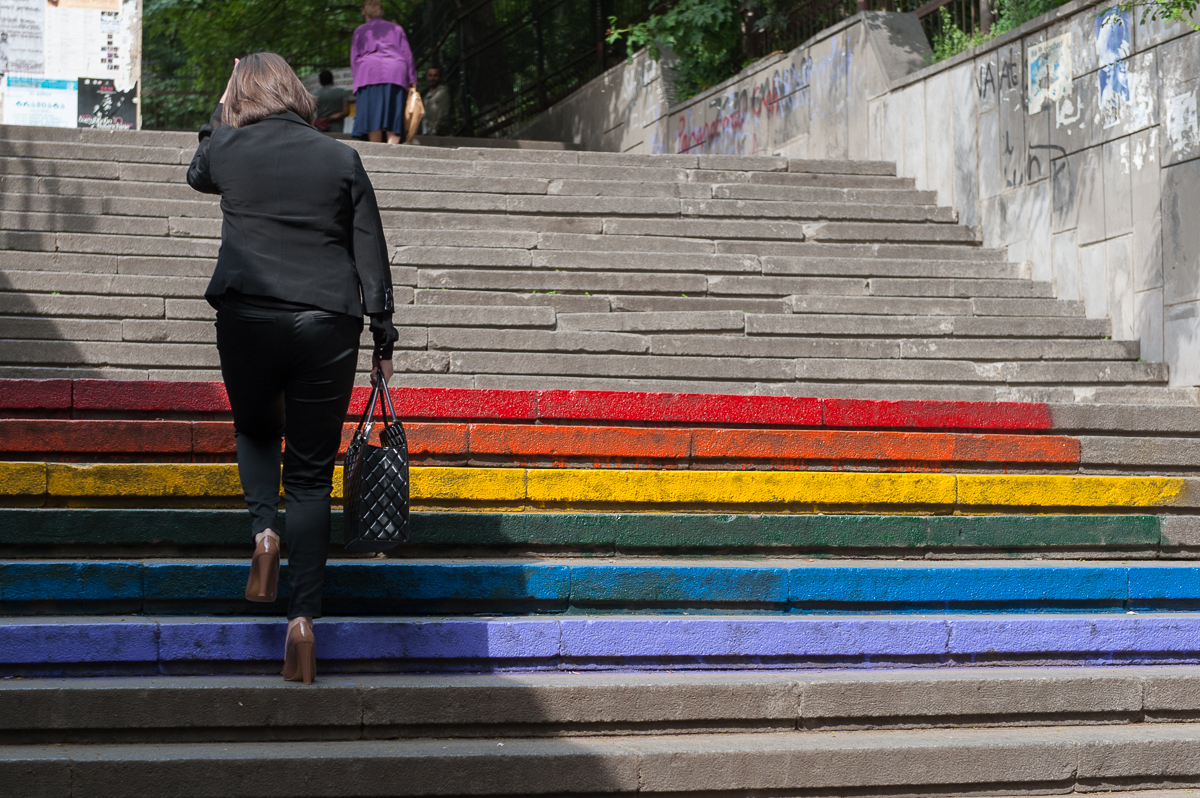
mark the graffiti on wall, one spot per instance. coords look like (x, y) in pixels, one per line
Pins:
(741, 121)
(742, 116)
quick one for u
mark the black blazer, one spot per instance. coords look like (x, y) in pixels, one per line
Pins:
(301, 223)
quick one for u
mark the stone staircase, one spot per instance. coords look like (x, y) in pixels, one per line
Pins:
(557, 269)
(866, 585)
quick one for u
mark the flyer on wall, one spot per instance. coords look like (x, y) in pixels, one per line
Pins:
(102, 106)
(70, 63)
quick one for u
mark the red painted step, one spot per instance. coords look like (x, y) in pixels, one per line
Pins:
(87, 397)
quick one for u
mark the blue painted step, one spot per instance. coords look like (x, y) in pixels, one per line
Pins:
(411, 587)
(140, 645)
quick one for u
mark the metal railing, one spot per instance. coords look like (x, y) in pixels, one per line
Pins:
(506, 61)
(807, 18)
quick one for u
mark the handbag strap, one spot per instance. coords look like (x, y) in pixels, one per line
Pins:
(369, 414)
(387, 404)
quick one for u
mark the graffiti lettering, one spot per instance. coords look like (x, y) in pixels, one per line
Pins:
(984, 80)
(745, 111)
(1010, 75)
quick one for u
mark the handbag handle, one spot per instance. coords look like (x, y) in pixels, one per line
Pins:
(369, 414)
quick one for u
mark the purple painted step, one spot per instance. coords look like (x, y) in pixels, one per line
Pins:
(212, 645)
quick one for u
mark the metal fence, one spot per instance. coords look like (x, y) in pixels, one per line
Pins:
(806, 18)
(506, 61)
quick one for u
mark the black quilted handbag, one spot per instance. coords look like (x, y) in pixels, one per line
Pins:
(375, 481)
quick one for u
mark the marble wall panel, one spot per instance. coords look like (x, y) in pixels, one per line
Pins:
(1148, 324)
(1181, 342)
(1146, 191)
(1118, 187)
(1065, 263)
(1181, 232)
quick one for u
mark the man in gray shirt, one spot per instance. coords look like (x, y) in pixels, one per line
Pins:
(333, 102)
(437, 104)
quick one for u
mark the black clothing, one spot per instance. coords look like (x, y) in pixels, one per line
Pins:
(300, 220)
(289, 374)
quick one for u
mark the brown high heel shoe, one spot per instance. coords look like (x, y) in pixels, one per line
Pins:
(263, 582)
(300, 657)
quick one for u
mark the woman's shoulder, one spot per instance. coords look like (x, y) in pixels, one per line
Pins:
(334, 151)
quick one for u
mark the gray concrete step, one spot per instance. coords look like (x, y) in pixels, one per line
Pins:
(577, 282)
(644, 304)
(861, 251)
(621, 243)
(894, 233)
(114, 206)
(80, 151)
(884, 267)
(887, 196)
(878, 286)
(1017, 761)
(803, 179)
(563, 303)
(842, 212)
(986, 350)
(227, 708)
(1156, 397)
(802, 370)
(937, 287)
(922, 326)
(152, 138)
(935, 306)
(618, 205)
(655, 321)
(687, 333)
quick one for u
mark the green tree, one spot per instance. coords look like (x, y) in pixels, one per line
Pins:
(190, 44)
(1167, 10)
(706, 35)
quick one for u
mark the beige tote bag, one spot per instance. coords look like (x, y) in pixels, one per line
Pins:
(414, 112)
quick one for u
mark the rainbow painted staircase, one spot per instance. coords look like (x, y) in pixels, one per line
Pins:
(966, 567)
(613, 593)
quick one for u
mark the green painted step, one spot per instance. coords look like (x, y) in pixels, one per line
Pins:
(39, 530)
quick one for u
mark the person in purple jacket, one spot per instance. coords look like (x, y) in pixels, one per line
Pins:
(382, 65)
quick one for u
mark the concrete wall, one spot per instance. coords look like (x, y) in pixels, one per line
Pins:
(1073, 141)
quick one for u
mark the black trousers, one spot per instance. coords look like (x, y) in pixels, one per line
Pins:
(289, 374)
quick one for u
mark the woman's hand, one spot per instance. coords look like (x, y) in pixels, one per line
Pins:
(381, 366)
(230, 81)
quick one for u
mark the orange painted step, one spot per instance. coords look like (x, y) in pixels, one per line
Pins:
(525, 444)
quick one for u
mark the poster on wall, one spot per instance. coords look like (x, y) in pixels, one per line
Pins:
(102, 107)
(1049, 72)
(83, 55)
(22, 34)
(41, 102)
(1113, 47)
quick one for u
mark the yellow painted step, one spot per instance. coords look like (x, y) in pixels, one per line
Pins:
(632, 490)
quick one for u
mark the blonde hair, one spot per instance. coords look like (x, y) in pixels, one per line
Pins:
(373, 8)
(262, 85)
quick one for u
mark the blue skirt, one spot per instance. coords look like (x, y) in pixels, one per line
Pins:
(379, 106)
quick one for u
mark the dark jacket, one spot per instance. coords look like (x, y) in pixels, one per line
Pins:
(301, 224)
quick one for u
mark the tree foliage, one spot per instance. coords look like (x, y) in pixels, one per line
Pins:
(1166, 10)
(706, 35)
(1010, 14)
(190, 45)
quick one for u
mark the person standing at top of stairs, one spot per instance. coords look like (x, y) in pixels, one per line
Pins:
(302, 258)
(382, 64)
